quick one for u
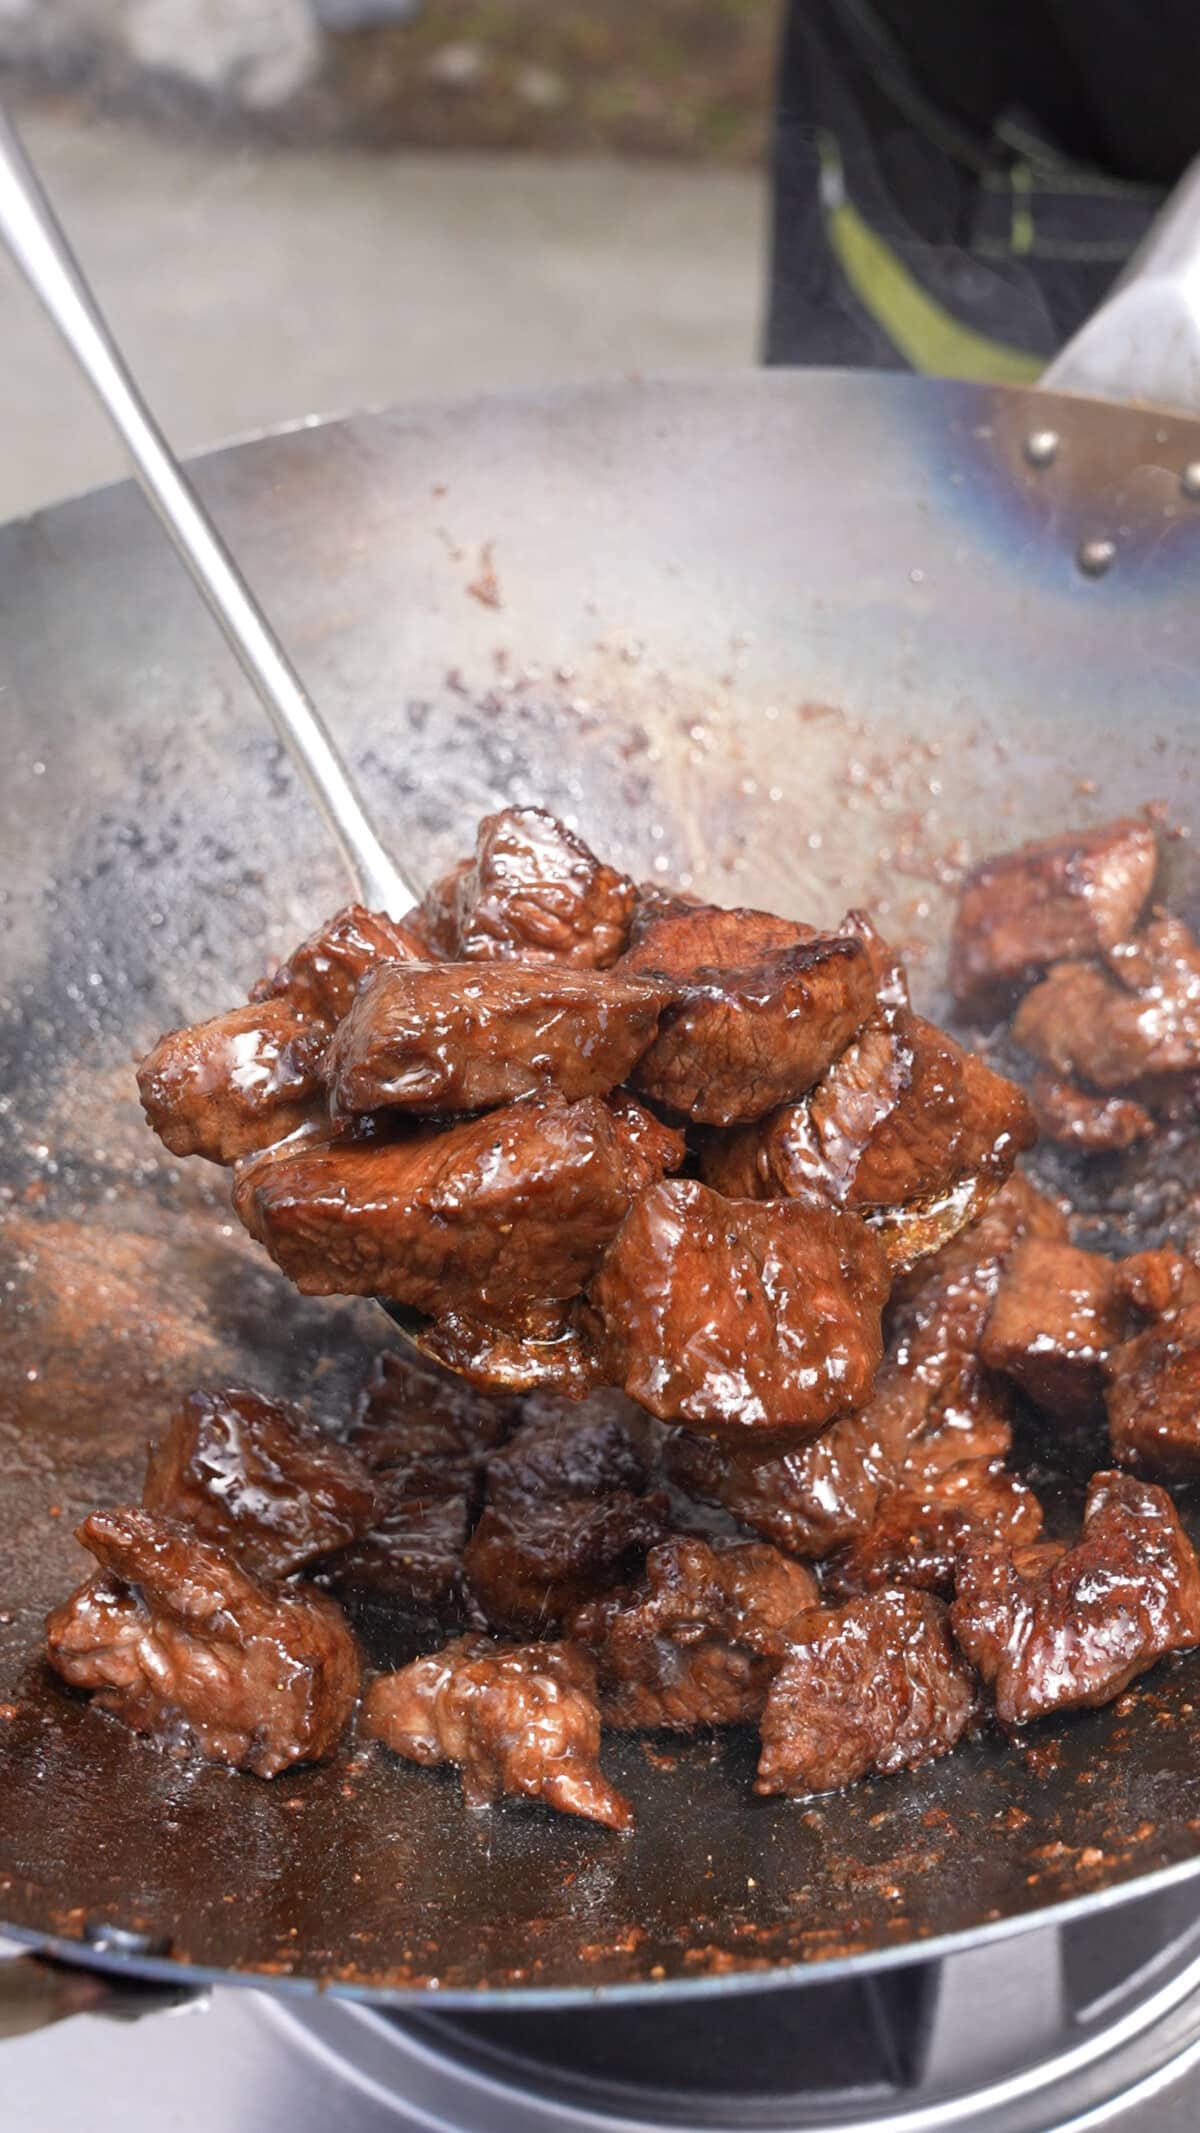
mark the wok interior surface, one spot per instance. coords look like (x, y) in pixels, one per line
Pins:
(801, 641)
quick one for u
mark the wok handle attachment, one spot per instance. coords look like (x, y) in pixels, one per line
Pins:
(38, 245)
(1143, 343)
(36, 1992)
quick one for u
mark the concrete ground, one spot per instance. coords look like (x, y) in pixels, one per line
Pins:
(256, 288)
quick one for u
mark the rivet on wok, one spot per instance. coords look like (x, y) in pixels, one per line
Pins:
(1095, 556)
(1189, 480)
(1041, 447)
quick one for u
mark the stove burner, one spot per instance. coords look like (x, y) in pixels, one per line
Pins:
(1023, 2035)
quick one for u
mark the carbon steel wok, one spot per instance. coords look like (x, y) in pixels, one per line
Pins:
(790, 639)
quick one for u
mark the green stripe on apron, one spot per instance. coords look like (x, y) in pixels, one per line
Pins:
(925, 333)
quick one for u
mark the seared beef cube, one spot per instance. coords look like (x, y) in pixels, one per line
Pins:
(179, 1642)
(937, 1422)
(550, 1350)
(515, 1718)
(922, 1524)
(434, 922)
(651, 1149)
(737, 1042)
(1067, 896)
(806, 1498)
(423, 1427)
(920, 1228)
(480, 1216)
(1161, 961)
(891, 978)
(1057, 1317)
(902, 1116)
(565, 1515)
(1053, 1629)
(425, 1436)
(1154, 1398)
(872, 1687)
(738, 1315)
(442, 1037)
(653, 902)
(258, 1477)
(560, 1449)
(535, 890)
(1095, 1125)
(1083, 1023)
(413, 1553)
(945, 1424)
(528, 1565)
(689, 939)
(697, 1641)
(1158, 1283)
(932, 1374)
(225, 1088)
(323, 974)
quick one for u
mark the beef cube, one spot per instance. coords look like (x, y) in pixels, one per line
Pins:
(737, 1042)
(424, 1428)
(1154, 1398)
(922, 1524)
(413, 1554)
(434, 922)
(697, 1641)
(651, 1149)
(937, 1423)
(1057, 1317)
(1054, 1630)
(548, 1350)
(566, 1515)
(735, 1315)
(323, 974)
(681, 941)
(891, 978)
(1158, 1283)
(903, 1116)
(653, 902)
(1073, 895)
(920, 1228)
(258, 1477)
(440, 1037)
(535, 890)
(1083, 1023)
(938, 1313)
(808, 1499)
(872, 1687)
(560, 1449)
(179, 1642)
(481, 1216)
(425, 1436)
(224, 1088)
(528, 1565)
(515, 1718)
(1095, 1125)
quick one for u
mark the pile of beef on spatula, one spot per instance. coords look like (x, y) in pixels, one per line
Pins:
(748, 1186)
(599, 1134)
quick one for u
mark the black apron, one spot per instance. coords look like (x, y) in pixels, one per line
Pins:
(957, 183)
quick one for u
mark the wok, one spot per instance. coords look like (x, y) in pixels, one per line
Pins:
(790, 639)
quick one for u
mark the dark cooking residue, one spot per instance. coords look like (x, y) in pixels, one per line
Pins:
(618, 1143)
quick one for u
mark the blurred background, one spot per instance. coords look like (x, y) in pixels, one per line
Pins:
(294, 207)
